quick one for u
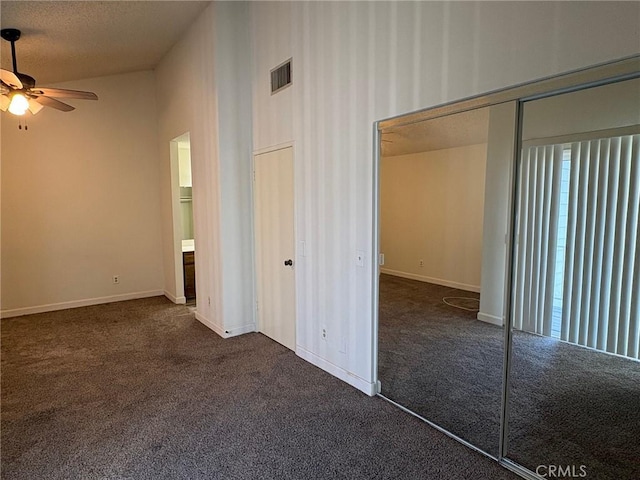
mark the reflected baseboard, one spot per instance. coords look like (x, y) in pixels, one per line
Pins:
(436, 281)
(492, 319)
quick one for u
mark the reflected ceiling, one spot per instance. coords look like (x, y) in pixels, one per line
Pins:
(467, 128)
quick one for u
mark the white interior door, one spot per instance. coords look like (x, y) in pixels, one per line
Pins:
(275, 245)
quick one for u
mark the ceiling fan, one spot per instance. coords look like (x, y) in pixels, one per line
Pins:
(18, 90)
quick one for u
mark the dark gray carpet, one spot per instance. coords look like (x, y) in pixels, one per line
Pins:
(439, 361)
(569, 405)
(141, 390)
(574, 406)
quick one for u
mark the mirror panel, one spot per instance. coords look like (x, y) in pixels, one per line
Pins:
(574, 383)
(435, 357)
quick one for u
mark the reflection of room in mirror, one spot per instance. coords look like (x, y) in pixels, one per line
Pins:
(575, 375)
(436, 358)
(468, 228)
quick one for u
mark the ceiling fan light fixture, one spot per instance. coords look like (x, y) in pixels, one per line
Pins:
(19, 104)
(34, 107)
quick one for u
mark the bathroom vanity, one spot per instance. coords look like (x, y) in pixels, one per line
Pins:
(189, 269)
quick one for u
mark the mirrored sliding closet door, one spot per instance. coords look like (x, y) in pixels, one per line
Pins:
(440, 344)
(574, 384)
(509, 278)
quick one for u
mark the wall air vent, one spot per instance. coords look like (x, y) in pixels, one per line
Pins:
(281, 77)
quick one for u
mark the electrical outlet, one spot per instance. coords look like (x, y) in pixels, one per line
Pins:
(324, 334)
(209, 300)
(116, 279)
(421, 263)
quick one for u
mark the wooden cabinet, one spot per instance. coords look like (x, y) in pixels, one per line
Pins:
(189, 269)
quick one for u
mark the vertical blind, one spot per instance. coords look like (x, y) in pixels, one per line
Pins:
(577, 259)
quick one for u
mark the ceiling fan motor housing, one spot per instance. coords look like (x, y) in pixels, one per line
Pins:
(13, 35)
(10, 34)
(27, 80)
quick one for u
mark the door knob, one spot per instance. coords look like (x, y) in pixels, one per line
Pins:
(288, 263)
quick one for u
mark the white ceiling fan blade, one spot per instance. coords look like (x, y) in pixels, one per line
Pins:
(34, 107)
(4, 103)
(10, 79)
(53, 103)
(63, 93)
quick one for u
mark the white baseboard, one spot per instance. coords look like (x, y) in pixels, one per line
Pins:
(485, 317)
(367, 387)
(232, 332)
(436, 281)
(212, 325)
(52, 307)
(174, 299)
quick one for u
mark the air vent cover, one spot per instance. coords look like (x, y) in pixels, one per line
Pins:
(281, 77)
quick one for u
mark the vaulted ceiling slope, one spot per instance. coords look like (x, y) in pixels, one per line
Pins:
(71, 40)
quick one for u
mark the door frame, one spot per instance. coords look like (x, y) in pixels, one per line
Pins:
(255, 153)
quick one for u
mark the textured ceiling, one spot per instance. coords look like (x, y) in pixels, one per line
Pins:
(71, 40)
(458, 130)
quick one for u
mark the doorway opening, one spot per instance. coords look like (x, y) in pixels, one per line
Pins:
(183, 224)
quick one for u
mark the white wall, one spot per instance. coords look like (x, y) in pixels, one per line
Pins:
(81, 200)
(233, 83)
(272, 44)
(609, 106)
(213, 61)
(187, 103)
(184, 164)
(356, 62)
(431, 209)
(184, 176)
(498, 188)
